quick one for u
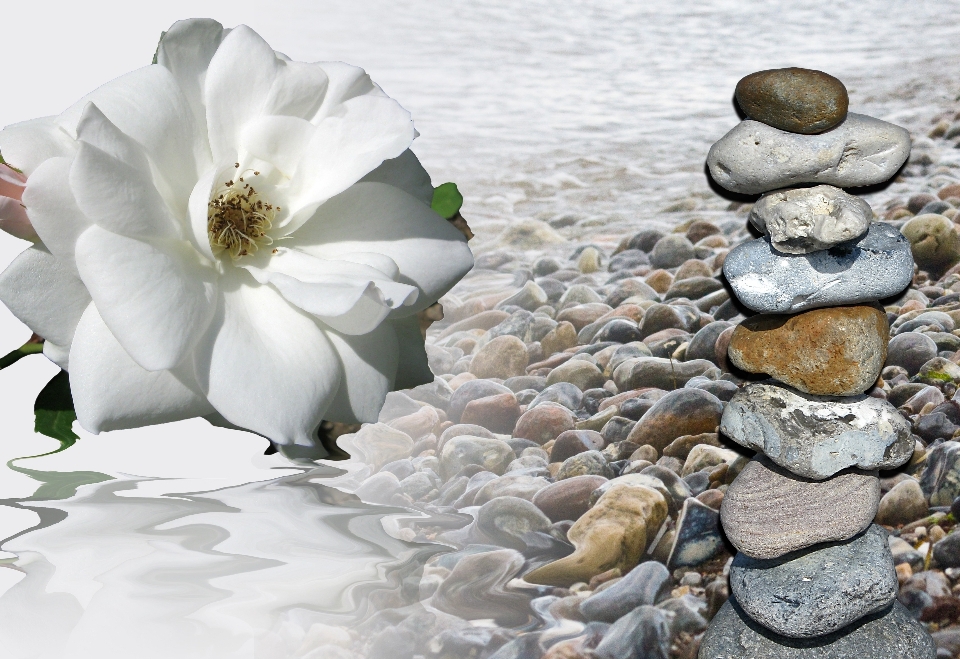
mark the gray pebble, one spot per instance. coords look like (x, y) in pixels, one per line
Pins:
(875, 266)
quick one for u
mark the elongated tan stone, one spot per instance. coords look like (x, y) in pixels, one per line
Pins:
(837, 351)
(768, 512)
(612, 534)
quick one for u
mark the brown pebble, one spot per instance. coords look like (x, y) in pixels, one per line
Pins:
(836, 351)
(793, 99)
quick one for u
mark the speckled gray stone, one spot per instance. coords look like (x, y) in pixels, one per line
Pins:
(890, 634)
(820, 590)
(804, 220)
(755, 157)
(817, 436)
(768, 512)
(875, 266)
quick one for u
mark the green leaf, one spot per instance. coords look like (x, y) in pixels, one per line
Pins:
(447, 200)
(53, 412)
(14, 356)
(157, 51)
(4, 162)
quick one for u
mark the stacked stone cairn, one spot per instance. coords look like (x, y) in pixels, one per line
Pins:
(813, 577)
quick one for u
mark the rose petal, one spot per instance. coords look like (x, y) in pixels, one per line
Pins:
(412, 368)
(277, 140)
(186, 50)
(112, 392)
(351, 297)
(369, 364)
(27, 144)
(344, 148)
(268, 367)
(149, 107)
(375, 217)
(12, 182)
(404, 172)
(14, 220)
(52, 209)
(45, 293)
(96, 130)
(118, 197)
(156, 298)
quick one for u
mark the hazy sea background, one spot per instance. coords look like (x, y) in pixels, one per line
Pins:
(183, 540)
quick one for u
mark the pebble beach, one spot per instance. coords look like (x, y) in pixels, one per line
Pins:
(566, 367)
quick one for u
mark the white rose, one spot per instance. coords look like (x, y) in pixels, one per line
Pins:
(230, 233)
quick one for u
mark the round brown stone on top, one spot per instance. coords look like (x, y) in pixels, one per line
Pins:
(836, 351)
(795, 100)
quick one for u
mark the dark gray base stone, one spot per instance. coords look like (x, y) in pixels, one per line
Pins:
(820, 590)
(889, 634)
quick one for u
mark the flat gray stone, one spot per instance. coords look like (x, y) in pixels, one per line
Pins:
(817, 436)
(875, 266)
(754, 157)
(804, 220)
(768, 512)
(890, 634)
(820, 590)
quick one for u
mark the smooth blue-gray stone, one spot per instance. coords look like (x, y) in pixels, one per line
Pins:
(819, 590)
(889, 634)
(646, 584)
(875, 266)
(817, 436)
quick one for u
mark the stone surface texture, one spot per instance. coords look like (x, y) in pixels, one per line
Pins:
(793, 99)
(837, 351)
(754, 157)
(820, 590)
(804, 220)
(877, 265)
(817, 436)
(768, 512)
(890, 634)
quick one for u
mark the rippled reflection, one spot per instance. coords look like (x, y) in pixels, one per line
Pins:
(241, 571)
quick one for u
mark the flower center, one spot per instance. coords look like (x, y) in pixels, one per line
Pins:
(238, 219)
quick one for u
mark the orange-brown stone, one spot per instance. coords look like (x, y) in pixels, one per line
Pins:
(836, 351)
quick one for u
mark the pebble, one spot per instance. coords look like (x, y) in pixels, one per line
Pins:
(837, 351)
(630, 288)
(890, 634)
(636, 479)
(946, 552)
(568, 498)
(529, 297)
(644, 585)
(703, 344)
(566, 394)
(911, 350)
(666, 316)
(768, 512)
(658, 372)
(796, 100)
(578, 372)
(617, 429)
(680, 447)
(817, 436)
(588, 463)
(521, 486)
(469, 391)
(693, 288)
(417, 425)
(560, 338)
(497, 413)
(705, 456)
(903, 504)
(680, 412)
(614, 533)
(505, 519)
(820, 590)
(492, 455)
(671, 251)
(697, 538)
(644, 633)
(543, 423)
(934, 241)
(476, 588)
(940, 480)
(378, 444)
(754, 157)
(574, 442)
(804, 220)
(618, 330)
(876, 266)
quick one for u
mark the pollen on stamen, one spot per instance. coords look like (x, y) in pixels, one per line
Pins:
(238, 220)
